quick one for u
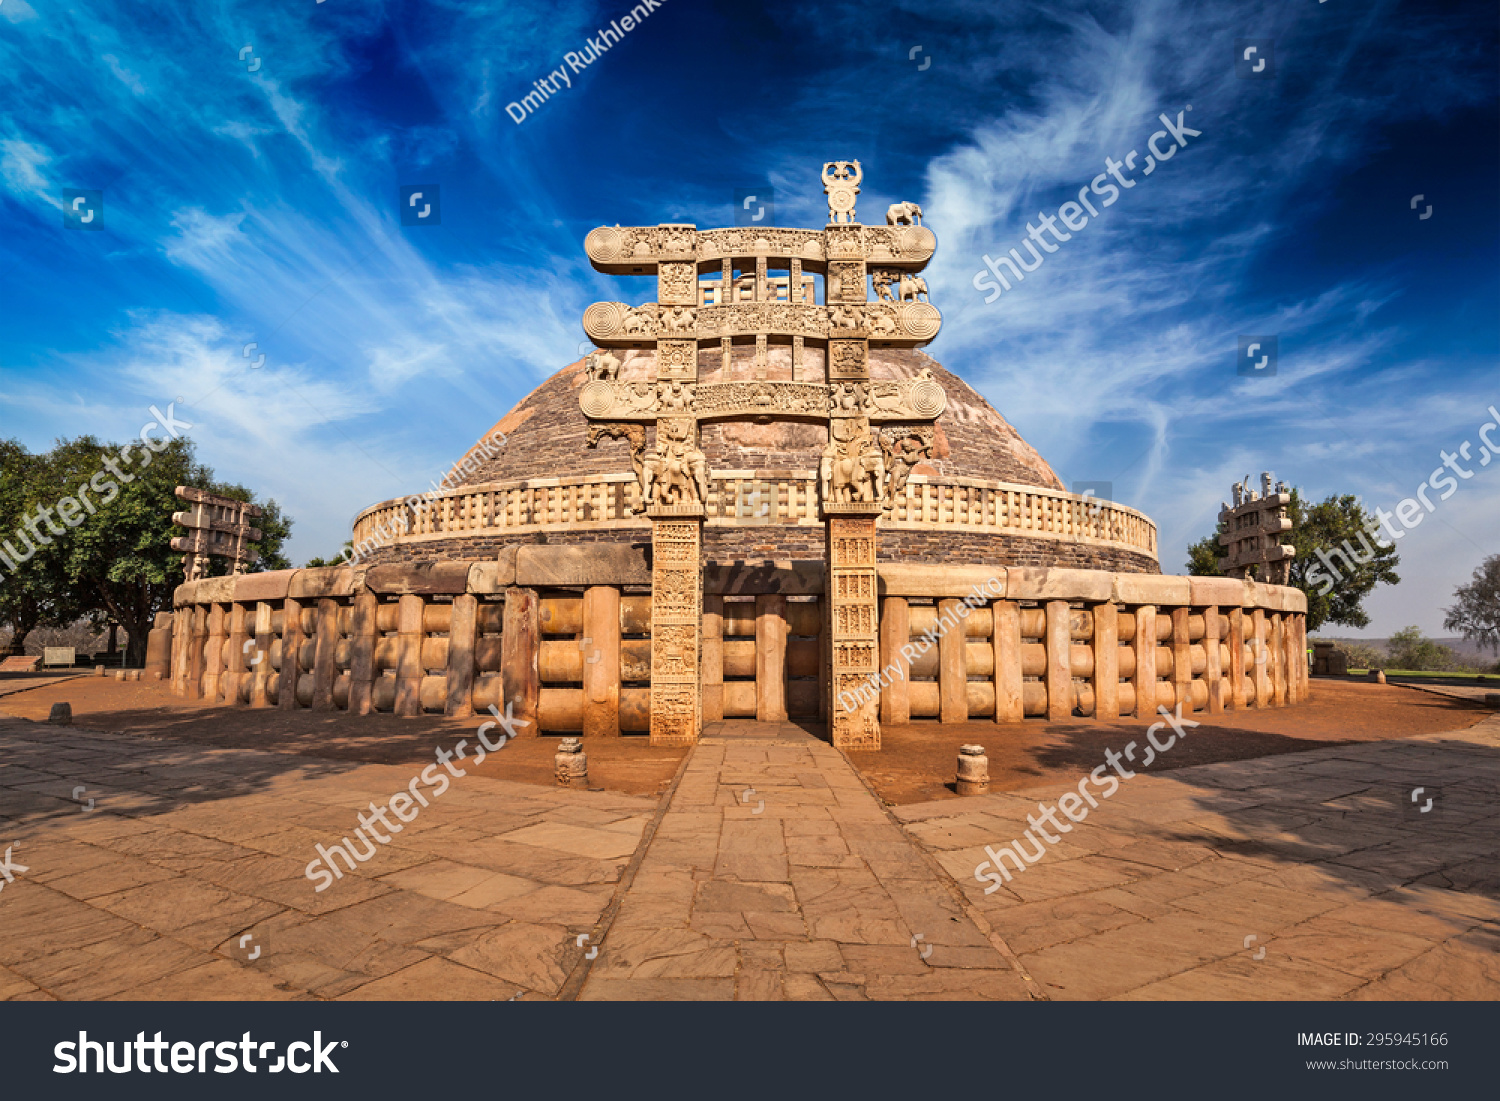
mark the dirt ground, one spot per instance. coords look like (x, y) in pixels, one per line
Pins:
(917, 762)
(627, 765)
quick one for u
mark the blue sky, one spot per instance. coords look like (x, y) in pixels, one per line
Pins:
(259, 203)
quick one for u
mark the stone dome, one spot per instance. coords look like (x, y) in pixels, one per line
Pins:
(984, 495)
(547, 434)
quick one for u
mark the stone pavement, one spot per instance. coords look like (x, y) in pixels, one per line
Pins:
(770, 871)
(776, 874)
(188, 850)
(1347, 887)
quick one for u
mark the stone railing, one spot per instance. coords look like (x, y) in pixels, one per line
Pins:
(1067, 642)
(750, 497)
(563, 636)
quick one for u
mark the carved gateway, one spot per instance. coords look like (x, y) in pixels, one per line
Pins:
(878, 430)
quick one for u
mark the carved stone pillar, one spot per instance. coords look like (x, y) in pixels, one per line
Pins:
(676, 622)
(853, 625)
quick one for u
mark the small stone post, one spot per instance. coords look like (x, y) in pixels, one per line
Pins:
(572, 764)
(973, 771)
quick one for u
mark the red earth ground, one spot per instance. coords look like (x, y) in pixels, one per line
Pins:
(916, 761)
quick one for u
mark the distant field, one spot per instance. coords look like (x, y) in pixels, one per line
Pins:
(1428, 673)
(1466, 650)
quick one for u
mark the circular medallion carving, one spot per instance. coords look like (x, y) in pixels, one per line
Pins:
(596, 398)
(914, 242)
(677, 356)
(603, 320)
(604, 243)
(917, 319)
(927, 398)
(842, 199)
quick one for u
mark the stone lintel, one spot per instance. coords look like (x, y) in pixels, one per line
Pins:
(1050, 583)
(588, 564)
(429, 578)
(321, 581)
(789, 577)
(1145, 588)
(902, 579)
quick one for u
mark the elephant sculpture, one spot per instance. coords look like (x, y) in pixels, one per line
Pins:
(910, 287)
(903, 214)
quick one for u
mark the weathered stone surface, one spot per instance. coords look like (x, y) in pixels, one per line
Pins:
(215, 590)
(787, 576)
(900, 579)
(1043, 583)
(322, 581)
(598, 564)
(269, 585)
(1224, 591)
(435, 577)
(492, 577)
(1131, 588)
(1278, 598)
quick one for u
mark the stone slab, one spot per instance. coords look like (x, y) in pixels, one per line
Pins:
(267, 585)
(787, 576)
(899, 579)
(331, 581)
(586, 564)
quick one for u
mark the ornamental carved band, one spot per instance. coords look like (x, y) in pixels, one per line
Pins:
(916, 399)
(892, 324)
(676, 630)
(853, 623)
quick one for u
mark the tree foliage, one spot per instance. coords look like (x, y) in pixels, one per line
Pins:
(1409, 648)
(1338, 526)
(1476, 611)
(108, 553)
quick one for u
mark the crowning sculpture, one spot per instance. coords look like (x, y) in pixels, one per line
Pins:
(877, 430)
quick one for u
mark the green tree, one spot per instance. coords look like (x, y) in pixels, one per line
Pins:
(1477, 612)
(1338, 526)
(33, 590)
(1410, 649)
(117, 560)
(336, 560)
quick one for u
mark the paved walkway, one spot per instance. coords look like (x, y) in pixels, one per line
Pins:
(769, 872)
(1306, 875)
(776, 874)
(188, 850)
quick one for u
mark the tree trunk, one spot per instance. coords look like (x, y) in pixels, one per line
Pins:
(22, 626)
(135, 646)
